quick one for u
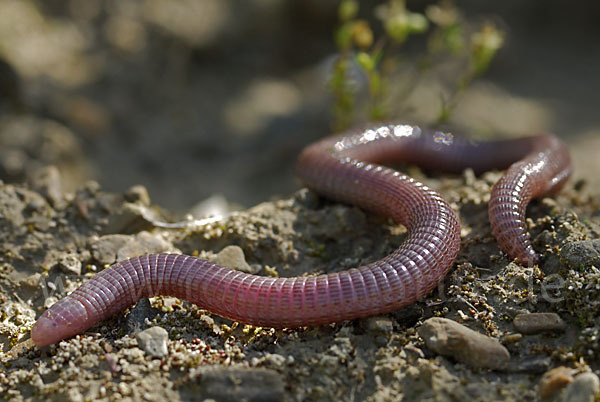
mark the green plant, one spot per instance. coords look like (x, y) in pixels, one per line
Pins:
(378, 58)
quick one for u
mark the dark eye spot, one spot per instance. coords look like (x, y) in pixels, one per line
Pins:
(54, 324)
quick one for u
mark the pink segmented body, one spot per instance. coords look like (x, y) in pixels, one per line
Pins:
(542, 171)
(344, 168)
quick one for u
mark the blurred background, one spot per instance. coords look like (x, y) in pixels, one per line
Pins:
(196, 98)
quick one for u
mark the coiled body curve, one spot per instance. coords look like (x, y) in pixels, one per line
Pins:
(346, 168)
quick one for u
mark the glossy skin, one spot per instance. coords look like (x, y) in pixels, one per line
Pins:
(345, 168)
(544, 170)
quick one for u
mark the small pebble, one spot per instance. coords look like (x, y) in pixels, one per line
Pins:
(111, 248)
(139, 194)
(70, 263)
(511, 338)
(233, 257)
(144, 243)
(554, 381)
(106, 346)
(535, 323)
(234, 383)
(215, 205)
(129, 217)
(124, 388)
(136, 319)
(308, 198)
(47, 181)
(377, 325)
(412, 352)
(105, 249)
(581, 253)
(531, 365)
(275, 359)
(21, 348)
(585, 388)
(153, 341)
(450, 338)
(67, 262)
(512, 312)
(34, 281)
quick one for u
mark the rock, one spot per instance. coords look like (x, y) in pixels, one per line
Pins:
(515, 311)
(307, 198)
(136, 319)
(138, 194)
(153, 341)
(552, 264)
(111, 248)
(70, 263)
(450, 338)
(215, 205)
(105, 249)
(535, 323)
(378, 325)
(275, 360)
(234, 384)
(20, 349)
(585, 388)
(92, 187)
(128, 218)
(511, 338)
(144, 243)
(531, 365)
(554, 381)
(233, 257)
(33, 281)
(29, 143)
(47, 182)
(581, 253)
(412, 353)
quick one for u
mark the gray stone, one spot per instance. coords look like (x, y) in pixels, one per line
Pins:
(377, 325)
(233, 257)
(144, 243)
(138, 194)
(111, 248)
(70, 263)
(234, 384)
(153, 341)
(129, 218)
(581, 253)
(215, 205)
(584, 388)
(106, 248)
(307, 198)
(450, 338)
(136, 319)
(412, 353)
(47, 181)
(531, 365)
(535, 323)
(511, 338)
